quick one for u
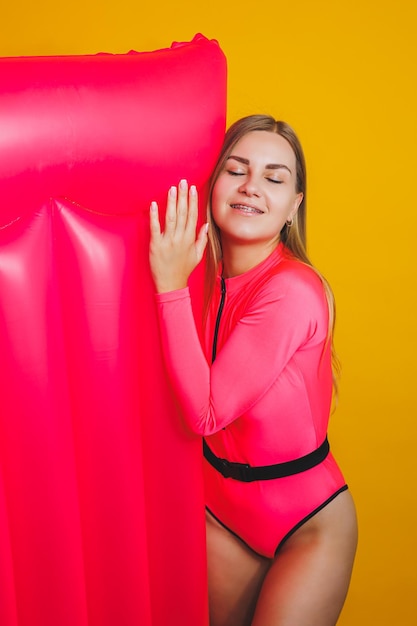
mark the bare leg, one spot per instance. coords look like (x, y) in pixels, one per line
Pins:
(308, 581)
(235, 577)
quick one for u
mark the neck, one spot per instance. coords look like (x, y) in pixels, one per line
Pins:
(238, 259)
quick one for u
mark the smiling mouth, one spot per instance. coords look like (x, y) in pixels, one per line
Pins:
(247, 209)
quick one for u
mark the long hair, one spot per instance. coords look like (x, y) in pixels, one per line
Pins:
(293, 237)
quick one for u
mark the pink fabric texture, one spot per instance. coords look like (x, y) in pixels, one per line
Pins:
(101, 489)
(265, 399)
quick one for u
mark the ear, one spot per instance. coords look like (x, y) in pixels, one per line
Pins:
(298, 200)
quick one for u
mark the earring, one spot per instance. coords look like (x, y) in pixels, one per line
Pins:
(289, 223)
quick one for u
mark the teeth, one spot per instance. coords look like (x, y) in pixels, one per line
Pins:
(247, 209)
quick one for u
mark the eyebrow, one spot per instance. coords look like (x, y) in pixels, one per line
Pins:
(269, 166)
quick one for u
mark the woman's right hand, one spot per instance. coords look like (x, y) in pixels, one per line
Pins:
(175, 252)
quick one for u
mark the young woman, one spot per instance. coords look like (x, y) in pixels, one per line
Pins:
(281, 524)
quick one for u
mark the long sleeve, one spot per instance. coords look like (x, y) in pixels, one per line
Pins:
(284, 319)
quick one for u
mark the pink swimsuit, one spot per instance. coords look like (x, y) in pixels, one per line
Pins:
(264, 400)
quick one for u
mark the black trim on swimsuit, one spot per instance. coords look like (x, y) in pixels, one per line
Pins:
(291, 532)
(218, 318)
(309, 516)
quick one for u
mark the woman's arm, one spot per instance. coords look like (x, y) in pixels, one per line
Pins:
(288, 315)
(288, 312)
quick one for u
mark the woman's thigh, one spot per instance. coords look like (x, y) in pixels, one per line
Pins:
(308, 581)
(235, 576)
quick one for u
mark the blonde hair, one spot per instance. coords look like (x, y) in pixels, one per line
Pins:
(293, 237)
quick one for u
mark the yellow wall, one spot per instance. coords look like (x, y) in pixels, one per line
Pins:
(343, 73)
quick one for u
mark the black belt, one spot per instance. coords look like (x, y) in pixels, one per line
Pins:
(247, 473)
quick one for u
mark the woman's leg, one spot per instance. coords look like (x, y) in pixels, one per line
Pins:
(235, 577)
(308, 581)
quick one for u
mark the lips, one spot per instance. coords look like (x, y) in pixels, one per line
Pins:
(247, 208)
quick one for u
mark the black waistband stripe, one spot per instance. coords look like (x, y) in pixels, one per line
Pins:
(247, 473)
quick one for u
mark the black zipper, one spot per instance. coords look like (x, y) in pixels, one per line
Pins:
(219, 314)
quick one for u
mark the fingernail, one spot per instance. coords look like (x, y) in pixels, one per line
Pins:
(173, 191)
(206, 227)
(183, 184)
(193, 190)
(154, 206)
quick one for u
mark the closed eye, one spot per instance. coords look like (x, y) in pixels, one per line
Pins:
(273, 180)
(233, 173)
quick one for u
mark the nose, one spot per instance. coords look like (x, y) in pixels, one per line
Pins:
(249, 187)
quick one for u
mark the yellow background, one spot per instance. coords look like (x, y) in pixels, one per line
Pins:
(343, 73)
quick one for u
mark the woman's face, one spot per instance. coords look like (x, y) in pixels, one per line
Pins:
(255, 192)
